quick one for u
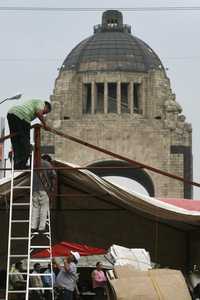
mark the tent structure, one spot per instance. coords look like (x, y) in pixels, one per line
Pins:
(185, 211)
(90, 210)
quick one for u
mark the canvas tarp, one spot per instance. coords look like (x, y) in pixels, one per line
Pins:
(112, 194)
(138, 258)
(157, 284)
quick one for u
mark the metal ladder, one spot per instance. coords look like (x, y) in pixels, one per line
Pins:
(28, 238)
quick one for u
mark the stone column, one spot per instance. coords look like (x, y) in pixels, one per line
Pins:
(105, 97)
(93, 95)
(130, 96)
(119, 97)
(142, 97)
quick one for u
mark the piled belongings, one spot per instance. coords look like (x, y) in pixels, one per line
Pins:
(138, 258)
(129, 282)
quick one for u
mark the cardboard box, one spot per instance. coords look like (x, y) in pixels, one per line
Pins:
(157, 284)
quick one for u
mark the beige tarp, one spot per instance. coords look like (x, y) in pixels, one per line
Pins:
(157, 284)
(111, 194)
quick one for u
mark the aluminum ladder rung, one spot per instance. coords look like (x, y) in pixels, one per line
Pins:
(18, 255)
(34, 233)
(37, 233)
(22, 171)
(20, 221)
(40, 274)
(21, 204)
(17, 273)
(16, 291)
(19, 238)
(22, 187)
(40, 247)
(39, 288)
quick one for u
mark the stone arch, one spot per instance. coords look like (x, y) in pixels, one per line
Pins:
(115, 168)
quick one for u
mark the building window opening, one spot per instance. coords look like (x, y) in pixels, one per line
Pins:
(112, 97)
(136, 98)
(112, 23)
(99, 98)
(124, 98)
(87, 98)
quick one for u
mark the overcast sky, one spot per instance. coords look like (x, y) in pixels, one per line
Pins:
(34, 45)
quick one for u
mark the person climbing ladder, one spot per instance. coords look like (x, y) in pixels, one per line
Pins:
(19, 121)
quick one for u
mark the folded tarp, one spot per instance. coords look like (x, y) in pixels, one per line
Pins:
(157, 284)
(138, 258)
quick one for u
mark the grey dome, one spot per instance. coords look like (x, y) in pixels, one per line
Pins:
(112, 47)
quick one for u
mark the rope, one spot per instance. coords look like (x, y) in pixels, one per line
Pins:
(130, 161)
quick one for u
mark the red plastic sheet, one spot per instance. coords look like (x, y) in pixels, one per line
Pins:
(64, 249)
(188, 204)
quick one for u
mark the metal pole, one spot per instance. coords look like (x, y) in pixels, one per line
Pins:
(4, 100)
(37, 136)
(18, 96)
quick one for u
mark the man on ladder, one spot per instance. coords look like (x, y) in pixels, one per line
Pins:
(44, 183)
(19, 120)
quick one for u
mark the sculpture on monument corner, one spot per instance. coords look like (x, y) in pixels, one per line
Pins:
(172, 110)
